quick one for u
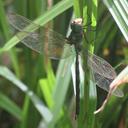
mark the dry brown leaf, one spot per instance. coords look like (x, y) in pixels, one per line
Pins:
(119, 80)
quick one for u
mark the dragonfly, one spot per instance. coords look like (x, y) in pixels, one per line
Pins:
(56, 45)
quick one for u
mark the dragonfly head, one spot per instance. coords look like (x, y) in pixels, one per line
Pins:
(76, 25)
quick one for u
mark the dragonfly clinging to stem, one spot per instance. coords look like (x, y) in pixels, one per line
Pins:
(103, 72)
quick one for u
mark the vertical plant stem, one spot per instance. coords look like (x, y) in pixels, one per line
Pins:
(88, 104)
(6, 35)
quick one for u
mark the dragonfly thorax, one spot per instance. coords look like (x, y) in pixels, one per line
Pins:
(76, 34)
(76, 25)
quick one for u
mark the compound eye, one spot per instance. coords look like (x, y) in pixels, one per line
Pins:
(73, 22)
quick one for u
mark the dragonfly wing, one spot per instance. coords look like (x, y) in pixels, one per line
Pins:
(40, 39)
(104, 83)
(101, 66)
(58, 46)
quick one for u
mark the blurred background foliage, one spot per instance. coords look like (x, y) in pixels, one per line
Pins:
(35, 95)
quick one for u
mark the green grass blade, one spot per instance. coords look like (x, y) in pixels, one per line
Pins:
(118, 11)
(44, 111)
(47, 85)
(10, 106)
(62, 83)
(3, 21)
(6, 34)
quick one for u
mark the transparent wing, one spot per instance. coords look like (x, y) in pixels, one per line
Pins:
(104, 83)
(103, 73)
(40, 39)
(101, 66)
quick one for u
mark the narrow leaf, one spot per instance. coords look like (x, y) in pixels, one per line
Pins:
(43, 110)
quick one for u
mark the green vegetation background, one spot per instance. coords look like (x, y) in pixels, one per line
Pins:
(36, 95)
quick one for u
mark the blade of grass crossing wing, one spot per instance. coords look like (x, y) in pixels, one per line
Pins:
(43, 19)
